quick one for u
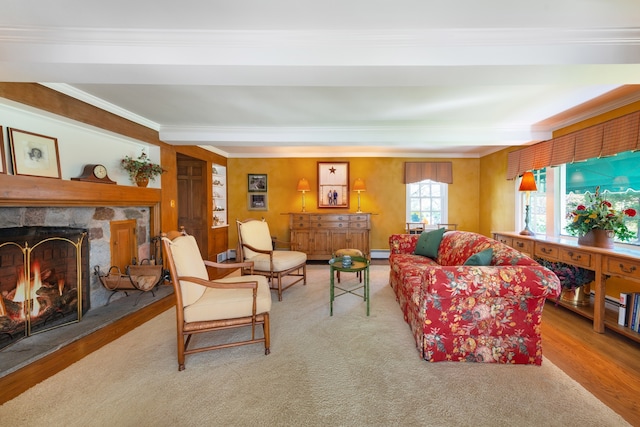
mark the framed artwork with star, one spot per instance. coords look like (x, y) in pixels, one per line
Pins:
(333, 185)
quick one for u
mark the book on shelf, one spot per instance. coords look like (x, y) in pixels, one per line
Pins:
(622, 311)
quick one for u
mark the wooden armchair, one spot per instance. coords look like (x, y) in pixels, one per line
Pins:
(255, 244)
(204, 305)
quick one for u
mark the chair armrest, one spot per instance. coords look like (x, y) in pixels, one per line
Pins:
(250, 284)
(290, 245)
(230, 265)
(261, 251)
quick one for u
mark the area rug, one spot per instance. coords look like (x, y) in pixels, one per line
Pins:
(348, 369)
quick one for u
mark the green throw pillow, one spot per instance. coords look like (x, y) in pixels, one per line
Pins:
(429, 242)
(481, 258)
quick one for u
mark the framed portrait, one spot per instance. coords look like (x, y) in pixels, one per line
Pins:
(257, 183)
(3, 164)
(33, 154)
(333, 185)
(258, 202)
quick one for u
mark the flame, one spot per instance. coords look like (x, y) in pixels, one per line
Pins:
(20, 292)
(37, 284)
(60, 286)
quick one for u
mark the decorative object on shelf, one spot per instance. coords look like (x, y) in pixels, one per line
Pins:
(359, 187)
(141, 170)
(597, 222)
(303, 185)
(94, 173)
(575, 281)
(257, 183)
(33, 154)
(333, 185)
(527, 184)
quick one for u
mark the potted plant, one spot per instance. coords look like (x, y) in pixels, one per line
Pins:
(573, 280)
(141, 169)
(597, 222)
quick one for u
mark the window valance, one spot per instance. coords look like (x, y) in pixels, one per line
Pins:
(604, 139)
(435, 171)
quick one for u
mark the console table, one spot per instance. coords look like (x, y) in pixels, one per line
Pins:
(618, 262)
(320, 235)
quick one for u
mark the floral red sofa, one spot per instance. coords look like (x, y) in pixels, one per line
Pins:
(471, 313)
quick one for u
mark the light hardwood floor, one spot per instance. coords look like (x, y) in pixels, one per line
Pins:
(608, 365)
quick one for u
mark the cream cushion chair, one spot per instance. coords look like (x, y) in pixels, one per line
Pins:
(256, 245)
(204, 305)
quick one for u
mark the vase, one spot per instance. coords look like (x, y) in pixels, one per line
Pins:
(597, 238)
(576, 296)
(142, 181)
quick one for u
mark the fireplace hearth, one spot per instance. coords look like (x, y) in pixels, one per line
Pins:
(44, 280)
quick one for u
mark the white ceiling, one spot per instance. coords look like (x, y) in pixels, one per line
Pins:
(335, 77)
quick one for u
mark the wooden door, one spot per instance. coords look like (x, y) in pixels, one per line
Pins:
(192, 199)
(359, 239)
(124, 243)
(339, 240)
(320, 244)
(300, 240)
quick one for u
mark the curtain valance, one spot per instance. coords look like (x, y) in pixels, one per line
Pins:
(604, 139)
(435, 171)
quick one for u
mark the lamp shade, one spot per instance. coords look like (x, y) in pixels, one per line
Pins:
(358, 185)
(303, 185)
(528, 182)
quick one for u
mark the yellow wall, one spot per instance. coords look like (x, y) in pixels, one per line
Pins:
(496, 205)
(385, 196)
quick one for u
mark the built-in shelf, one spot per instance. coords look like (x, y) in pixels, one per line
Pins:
(219, 195)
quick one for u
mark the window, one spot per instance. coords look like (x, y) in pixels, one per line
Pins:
(427, 202)
(561, 189)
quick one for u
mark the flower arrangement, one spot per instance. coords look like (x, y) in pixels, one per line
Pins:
(141, 167)
(599, 214)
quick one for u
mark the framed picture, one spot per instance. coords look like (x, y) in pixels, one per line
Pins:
(33, 154)
(257, 183)
(3, 164)
(333, 185)
(258, 202)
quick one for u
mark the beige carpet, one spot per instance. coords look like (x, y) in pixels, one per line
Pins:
(345, 370)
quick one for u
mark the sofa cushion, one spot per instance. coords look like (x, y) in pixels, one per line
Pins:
(429, 242)
(480, 258)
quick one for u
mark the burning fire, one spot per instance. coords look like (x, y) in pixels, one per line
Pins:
(22, 290)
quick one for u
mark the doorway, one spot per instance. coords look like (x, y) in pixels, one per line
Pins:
(192, 199)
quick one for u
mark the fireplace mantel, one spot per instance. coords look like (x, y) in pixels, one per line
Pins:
(22, 191)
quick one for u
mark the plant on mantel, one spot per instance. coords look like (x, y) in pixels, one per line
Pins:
(141, 168)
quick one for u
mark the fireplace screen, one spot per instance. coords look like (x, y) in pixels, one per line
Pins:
(43, 272)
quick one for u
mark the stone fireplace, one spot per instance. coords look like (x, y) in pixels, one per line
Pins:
(43, 280)
(91, 226)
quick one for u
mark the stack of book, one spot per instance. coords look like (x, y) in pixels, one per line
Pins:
(629, 313)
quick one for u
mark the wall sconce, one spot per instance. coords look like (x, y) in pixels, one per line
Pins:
(303, 185)
(527, 184)
(359, 186)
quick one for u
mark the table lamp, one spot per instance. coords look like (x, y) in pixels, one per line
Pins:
(527, 184)
(303, 185)
(359, 186)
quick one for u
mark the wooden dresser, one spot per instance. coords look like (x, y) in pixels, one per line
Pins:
(319, 235)
(618, 262)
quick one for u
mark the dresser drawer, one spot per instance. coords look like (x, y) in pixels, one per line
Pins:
(358, 225)
(299, 225)
(622, 266)
(358, 218)
(523, 245)
(299, 217)
(549, 252)
(328, 218)
(329, 224)
(505, 240)
(576, 257)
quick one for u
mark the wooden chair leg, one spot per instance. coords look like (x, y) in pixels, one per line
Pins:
(267, 334)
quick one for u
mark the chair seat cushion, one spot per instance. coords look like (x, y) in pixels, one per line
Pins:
(218, 304)
(282, 260)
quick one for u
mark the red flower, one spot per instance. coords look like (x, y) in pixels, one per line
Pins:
(581, 208)
(607, 204)
(630, 212)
